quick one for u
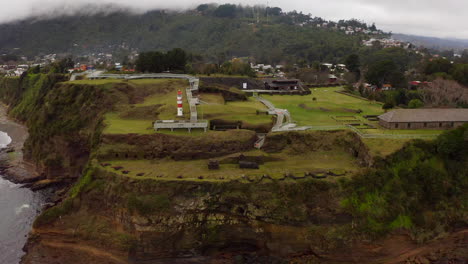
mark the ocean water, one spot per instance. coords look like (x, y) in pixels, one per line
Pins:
(18, 208)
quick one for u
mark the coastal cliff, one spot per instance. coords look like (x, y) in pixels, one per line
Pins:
(103, 216)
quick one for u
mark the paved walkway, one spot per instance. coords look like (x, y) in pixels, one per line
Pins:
(283, 117)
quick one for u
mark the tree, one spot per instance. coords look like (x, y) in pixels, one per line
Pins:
(459, 73)
(442, 92)
(387, 106)
(155, 61)
(62, 65)
(415, 103)
(386, 71)
(274, 11)
(176, 59)
(437, 65)
(353, 65)
(203, 7)
(8, 57)
(35, 70)
(226, 10)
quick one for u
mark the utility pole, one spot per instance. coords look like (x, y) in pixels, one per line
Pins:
(267, 13)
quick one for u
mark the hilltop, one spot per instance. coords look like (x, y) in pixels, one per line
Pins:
(434, 43)
(218, 32)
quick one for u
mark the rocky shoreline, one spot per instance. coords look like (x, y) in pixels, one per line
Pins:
(12, 165)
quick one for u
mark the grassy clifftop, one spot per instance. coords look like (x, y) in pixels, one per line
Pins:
(419, 188)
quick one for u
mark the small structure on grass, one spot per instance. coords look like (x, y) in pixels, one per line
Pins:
(248, 165)
(213, 165)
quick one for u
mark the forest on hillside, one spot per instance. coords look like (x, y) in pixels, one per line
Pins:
(215, 32)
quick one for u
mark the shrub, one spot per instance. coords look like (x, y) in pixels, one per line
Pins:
(415, 103)
(387, 106)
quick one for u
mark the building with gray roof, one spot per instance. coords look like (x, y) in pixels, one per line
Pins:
(434, 118)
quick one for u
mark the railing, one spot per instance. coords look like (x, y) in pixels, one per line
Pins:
(185, 124)
(144, 76)
(390, 136)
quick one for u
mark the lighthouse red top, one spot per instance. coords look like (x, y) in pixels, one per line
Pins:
(179, 92)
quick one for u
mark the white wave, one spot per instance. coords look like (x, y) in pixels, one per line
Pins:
(4, 139)
(20, 209)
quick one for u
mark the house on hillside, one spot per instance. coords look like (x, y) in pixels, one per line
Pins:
(424, 118)
(341, 66)
(387, 87)
(284, 85)
(417, 84)
(332, 78)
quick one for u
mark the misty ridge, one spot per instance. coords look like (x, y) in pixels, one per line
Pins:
(70, 9)
(267, 33)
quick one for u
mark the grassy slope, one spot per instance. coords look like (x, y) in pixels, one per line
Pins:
(384, 147)
(116, 123)
(335, 105)
(328, 99)
(294, 164)
(315, 151)
(160, 92)
(233, 111)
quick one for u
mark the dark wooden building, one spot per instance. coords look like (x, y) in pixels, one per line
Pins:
(424, 118)
(285, 85)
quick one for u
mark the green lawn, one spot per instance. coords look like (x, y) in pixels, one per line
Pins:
(384, 147)
(293, 164)
(328, 104)
(240, 110)
(116, 125)
(160, 97)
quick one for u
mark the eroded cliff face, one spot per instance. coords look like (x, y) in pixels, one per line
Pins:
(63, 121)
(179, 219)
(116, 219)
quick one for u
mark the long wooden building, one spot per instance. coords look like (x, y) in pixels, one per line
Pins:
(424, 118)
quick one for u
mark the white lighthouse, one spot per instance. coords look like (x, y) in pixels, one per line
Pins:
(180, 110)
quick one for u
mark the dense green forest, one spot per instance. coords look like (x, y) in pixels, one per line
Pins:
(420, 188)
(215, 32)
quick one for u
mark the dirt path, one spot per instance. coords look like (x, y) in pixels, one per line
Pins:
(450, 244)
(84, 249)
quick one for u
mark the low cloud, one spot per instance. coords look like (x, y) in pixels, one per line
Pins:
(420, 17)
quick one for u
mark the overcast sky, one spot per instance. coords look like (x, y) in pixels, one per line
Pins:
(438, 18)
